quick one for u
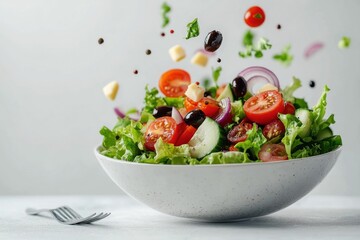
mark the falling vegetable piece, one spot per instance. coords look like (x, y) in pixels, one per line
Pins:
(110, 90)
(251, 49)
(344, 42)
(177, 53)
(200, 59)
(254, 16)
(193, 29)
(213, 41)
(284, 57)
(165, 10)
(313, 48)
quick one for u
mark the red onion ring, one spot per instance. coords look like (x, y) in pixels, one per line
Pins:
(209, 54)
(175, 114)
(256, 74)
(312, 49)
(224, 117)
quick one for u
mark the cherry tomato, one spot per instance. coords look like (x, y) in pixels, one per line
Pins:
(272, 152)
(254, 16)
(273, 129)
(238, 133)
(174, 82)
(264, 107)
(209, 106)
(190, 104)
(186, 135)
(232, 148)
(163, 127)
(289, 108)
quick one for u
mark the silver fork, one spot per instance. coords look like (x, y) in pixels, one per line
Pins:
(67, 215)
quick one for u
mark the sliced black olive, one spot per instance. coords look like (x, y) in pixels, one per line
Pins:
(195, 118)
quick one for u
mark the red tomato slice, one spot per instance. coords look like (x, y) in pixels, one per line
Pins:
(185, 137)
(163, 127)
(190, 104)
(273, 129)
(209, 106)
(264, 107)
(289, 108)
(220, 90)
(238, 133)
(254, 16)
(272, 152)
(232, 148)
(174, 82)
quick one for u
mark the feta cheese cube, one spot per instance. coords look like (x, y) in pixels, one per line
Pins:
(177, 53)
(200, 59)
(195, 92)
(110, 90)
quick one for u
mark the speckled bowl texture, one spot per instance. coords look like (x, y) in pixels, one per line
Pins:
(219, 192)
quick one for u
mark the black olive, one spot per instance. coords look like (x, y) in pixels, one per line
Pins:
(195, 118)
(162, 111)
(312, 83)
(239, 87)
(213, 41)
(207, 93)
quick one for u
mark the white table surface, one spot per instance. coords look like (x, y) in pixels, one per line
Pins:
(314, 217)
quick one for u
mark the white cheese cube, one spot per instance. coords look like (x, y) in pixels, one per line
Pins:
(268, 87)
(195, 92)
(177, 53)
(200, 59)
(110, 90)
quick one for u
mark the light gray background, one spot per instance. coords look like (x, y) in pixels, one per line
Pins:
(52, 71)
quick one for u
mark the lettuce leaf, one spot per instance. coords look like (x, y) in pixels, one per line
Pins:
(293, 128)
(316, 148)
(253, 143)
(288, 94)
(225, 157)
(237, 111)
(152, 100)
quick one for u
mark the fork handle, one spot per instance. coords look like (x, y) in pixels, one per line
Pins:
(32, 211)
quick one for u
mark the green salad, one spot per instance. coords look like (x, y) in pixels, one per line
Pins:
(185, 122)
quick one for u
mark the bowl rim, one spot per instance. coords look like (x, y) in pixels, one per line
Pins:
(98, 154)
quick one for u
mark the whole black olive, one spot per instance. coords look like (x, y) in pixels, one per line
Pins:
(195, 118)
(213, 41)
(239, 86)
(162, 111)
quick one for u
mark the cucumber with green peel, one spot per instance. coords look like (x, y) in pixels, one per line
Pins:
(209, 137)
(324, 133)
(227, 92)
(305, 116)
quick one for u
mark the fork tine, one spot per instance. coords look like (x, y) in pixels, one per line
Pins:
(79, 221)
(65, 212)
(93, 218)
(99, 217)
(60, 214)
(58, 217)
(71, 212)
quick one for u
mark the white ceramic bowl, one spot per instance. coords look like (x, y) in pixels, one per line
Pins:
(219, 192)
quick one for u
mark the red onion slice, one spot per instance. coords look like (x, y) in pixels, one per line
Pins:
(256, 74)
(119, 113)
(209, 54)
(224, 117)
(175, 114)
(312, 49)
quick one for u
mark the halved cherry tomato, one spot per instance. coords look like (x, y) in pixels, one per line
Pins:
(238, 133)
(190, 104)
(272, 152)
(185, 137)
(209, 106)
(254, 16)
(163, 127)
(264, 107)
(174, 82)
(273, 129)
(232, 148)
(289, 108)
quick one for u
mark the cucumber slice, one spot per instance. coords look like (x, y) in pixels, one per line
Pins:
(305, 116)
(325, 133)
(227, 92)
(208, 138)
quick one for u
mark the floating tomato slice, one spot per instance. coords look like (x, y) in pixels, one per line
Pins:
(238, 133)
(174, 82)
(272, 152)
(209, 106)
(274, 129)
(254, 16)
(164, 128)
(289, 108)
(186, 135)
(264, 107)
